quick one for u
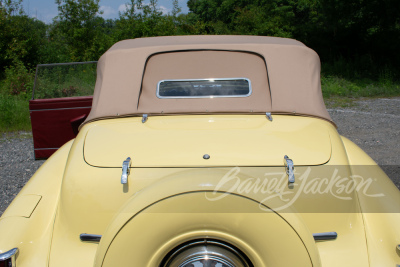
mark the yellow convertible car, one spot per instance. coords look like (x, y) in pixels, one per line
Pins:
(206, 151)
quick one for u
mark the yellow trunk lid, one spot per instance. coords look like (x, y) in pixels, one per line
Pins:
(229, 140)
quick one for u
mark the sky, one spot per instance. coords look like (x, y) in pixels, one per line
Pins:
(46, 10)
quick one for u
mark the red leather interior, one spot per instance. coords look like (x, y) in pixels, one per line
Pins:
(55, 121)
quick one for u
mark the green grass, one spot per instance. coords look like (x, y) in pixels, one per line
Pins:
(340, 102)
(333, 86)
(341, 92)
(14, 114)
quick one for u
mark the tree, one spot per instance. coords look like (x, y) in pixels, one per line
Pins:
(146, 20)
(21, 37)
(260, 17)
(78, 25)
(11, 7)
(364, 32)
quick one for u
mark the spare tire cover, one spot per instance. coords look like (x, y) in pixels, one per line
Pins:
(147, 237)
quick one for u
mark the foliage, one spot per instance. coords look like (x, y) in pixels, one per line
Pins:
(65, 81)
(357, 41)
(259, 17)
(146, 20)
(359, 31)
(79, 26)
(14, 113)
(18, 81)
(21, 39)
(334, 86)
(356, 30)
(11, 7)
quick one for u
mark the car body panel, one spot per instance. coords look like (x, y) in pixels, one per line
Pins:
(80, 212)
(381, 216)
(231, 220)
(23, 206)
(33, 235)
(181, 141)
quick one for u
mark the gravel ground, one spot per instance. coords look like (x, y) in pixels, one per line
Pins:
(373, 124)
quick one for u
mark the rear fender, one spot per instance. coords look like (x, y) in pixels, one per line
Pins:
(27, 224)
(379, 206)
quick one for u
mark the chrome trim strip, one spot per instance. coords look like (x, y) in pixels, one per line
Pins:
(194, 80)
(33, 110)
(46, 148)
(325, 236)
(90, 238)
(66, 63)
(9, 255)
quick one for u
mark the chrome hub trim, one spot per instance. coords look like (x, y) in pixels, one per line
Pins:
(206, 253)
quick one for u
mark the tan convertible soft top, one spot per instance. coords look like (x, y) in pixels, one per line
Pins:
(284, 75)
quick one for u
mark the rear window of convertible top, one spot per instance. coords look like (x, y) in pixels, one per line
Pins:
(204, 88)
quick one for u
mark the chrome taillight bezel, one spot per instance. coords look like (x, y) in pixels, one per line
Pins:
(8, 258)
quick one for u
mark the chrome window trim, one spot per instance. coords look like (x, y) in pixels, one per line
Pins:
(209, 79)
(34, 110)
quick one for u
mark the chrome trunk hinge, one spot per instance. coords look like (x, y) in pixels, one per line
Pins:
(144, 118)
(289, 169)
(125, 170)
(269, 116)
